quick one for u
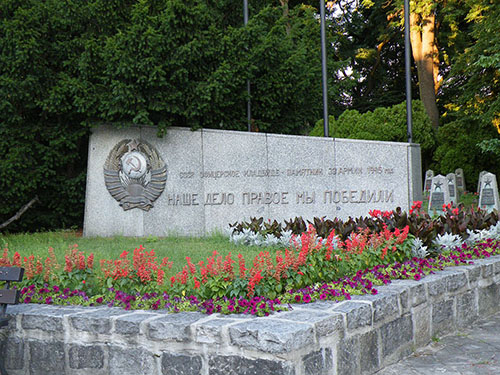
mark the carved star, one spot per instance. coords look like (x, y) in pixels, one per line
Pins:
(450, 180)
(487, 183)
(438, 185)
(132, 145)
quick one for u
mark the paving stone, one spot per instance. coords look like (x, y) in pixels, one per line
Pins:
(472, 351)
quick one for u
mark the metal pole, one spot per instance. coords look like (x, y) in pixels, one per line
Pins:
(409, 121)
(249, 102)
(323, 69)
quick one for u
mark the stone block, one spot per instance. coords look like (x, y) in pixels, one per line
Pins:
(224, 365)
(488, 299)
(210, 331)
(180, 364)
(46, 358)
(385, 307)
(86, 356)
(456, 280)
(130, 324)
(421, 316)
(318, 363)
(173, 327)
(49, 319)
(271, 335)
(436, 284)
(325, 324)
(358, 314)
(443, 319)
(95, 320)
(395, 335)
(473, 273)
(467, 309)
(348, 356)
(13, 353)
(130, 361)
(369, 358)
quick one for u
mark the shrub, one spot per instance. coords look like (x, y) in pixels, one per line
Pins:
(384, 124)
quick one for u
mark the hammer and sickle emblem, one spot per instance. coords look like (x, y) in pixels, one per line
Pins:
(134, 163)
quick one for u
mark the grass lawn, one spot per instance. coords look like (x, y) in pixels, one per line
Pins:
(175, 248)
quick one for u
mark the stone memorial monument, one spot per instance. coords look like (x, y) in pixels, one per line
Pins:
(440, 194)
(481, 174)
(198, 182)
(429, 174)
(459, 173)
(452, 187)
(488, 198)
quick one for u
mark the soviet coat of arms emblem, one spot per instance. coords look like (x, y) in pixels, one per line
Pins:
(134, 174)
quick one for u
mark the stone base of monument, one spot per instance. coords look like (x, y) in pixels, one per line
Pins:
(198, 182)
(359, 336)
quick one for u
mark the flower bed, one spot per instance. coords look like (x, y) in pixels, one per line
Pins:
(366, 255)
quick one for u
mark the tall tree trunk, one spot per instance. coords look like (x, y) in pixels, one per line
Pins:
(424, 49)
(286, 12)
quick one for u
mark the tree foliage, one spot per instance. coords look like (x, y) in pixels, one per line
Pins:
(473, 112)
(67, 65)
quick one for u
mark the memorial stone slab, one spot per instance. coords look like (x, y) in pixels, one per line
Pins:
(459, 173)
(440, 194)
(429, 174)
(452, 187)
(488, 198)
(481, 174)
(198, 182)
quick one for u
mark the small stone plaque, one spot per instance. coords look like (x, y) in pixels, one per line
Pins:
(481, 174)
(452, 189)
(487, 198)
(440, 194)
(429, 174)
(460, 180)
(437, 200)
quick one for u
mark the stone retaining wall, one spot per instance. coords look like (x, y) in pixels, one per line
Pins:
(358, 336)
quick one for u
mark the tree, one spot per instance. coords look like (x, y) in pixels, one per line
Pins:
(423, 36)
(473, 111)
